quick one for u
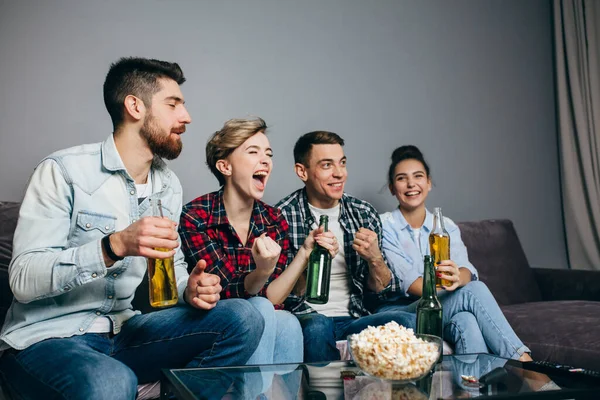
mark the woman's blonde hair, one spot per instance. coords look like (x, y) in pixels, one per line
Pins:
(231, 136)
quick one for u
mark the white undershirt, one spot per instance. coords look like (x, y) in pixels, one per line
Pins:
(339, 288)
(103, 324)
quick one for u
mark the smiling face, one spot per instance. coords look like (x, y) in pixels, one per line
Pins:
(411, 185)
(325, 175)
(165, 121)
(249, 166)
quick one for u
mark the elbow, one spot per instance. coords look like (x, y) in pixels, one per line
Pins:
(19, 291)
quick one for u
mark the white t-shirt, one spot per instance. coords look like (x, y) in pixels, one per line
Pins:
(339, 288)
(102, 324)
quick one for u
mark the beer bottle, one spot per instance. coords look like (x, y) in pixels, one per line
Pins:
(429, 308)
(439, 244)
(161, 274)
(319, 271)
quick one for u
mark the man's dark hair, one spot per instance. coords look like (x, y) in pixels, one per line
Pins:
(138, 77)
(304, 144)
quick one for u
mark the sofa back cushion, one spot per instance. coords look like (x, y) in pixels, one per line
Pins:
(495, 250)
(9, 215)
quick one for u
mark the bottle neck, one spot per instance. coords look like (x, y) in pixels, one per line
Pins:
(438, 221)
(429, 280)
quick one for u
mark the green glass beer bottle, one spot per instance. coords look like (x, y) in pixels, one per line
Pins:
(319, 271)
(429, 308)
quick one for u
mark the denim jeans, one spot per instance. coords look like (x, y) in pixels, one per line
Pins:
(474, 323)
(106, 366)
(321, 332)
(281, 341)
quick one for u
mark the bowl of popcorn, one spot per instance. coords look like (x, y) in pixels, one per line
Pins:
(394, 353)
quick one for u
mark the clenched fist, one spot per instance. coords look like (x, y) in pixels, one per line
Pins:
(366, 244)
(265, 252)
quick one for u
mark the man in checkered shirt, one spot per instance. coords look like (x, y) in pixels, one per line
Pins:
(360, 277)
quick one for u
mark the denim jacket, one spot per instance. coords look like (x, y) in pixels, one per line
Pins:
(58, 277)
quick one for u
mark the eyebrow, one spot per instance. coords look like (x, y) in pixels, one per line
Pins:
(404, 173)
(258, 148)
(331, 160)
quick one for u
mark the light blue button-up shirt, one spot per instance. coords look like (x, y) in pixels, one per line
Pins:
(405, 254)
(58, 276)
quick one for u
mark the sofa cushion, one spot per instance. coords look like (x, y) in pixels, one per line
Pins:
(9, 215)
(495, 250)
(564, 331)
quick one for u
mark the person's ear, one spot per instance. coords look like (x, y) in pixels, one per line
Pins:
(134, 107)
(224, 167)
(301, 171)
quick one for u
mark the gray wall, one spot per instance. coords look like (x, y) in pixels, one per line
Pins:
(470, 82)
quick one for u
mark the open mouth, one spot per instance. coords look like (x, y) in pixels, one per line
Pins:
(412, 193)
(336, 185)
(260, 179)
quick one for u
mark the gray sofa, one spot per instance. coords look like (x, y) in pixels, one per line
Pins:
(555, 312)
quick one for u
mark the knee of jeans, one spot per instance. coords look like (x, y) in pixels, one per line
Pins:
(316, 326)
(477, 288)
(406, 319)
(465, 321)
(265, 308)
(250, 321)
(288, 325)
(116, 383)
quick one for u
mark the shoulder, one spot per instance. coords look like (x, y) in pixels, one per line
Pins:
(199, 209)
(386, 218)
(450, 225)
(72, 156)
(358, 206)
(274, 214)
(290, 202)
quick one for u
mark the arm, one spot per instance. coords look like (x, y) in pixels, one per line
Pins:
(400, 253)
(368, 244)
(43, 266)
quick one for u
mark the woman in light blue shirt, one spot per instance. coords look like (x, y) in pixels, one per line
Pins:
(472, 320)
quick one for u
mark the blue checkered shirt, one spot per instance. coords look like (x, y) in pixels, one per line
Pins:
(354, 214)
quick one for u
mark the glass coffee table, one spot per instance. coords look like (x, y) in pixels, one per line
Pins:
(508, 379)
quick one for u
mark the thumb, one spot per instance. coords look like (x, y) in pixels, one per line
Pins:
(199, 268)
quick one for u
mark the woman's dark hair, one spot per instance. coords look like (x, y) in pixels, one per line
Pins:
(408, 152)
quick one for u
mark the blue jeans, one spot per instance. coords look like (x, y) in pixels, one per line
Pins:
(321, 332)
(474, 323)
(106, 366)
(281, 341)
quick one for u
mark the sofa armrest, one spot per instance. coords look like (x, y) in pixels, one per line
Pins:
(568, 284)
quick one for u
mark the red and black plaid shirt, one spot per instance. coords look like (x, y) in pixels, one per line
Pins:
(206, 234)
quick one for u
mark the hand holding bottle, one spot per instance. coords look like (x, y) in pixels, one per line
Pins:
(449, 272)
(327, 240)
(265, 252)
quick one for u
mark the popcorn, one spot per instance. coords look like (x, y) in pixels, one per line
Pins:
(391, 351)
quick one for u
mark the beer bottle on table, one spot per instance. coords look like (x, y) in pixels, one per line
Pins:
(319, 271)
(429, 308)
(439, 244)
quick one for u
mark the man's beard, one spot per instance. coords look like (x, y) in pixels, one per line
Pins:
(160, 144)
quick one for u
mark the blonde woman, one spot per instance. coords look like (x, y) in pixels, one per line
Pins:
(245, 241)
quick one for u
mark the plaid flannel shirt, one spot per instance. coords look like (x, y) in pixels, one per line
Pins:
(206, 234)
(354, 214)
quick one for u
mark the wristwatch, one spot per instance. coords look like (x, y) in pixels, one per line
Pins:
(108, 249)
